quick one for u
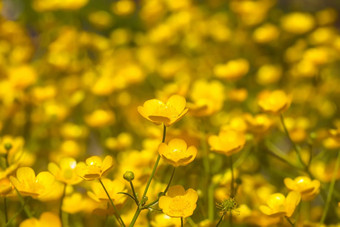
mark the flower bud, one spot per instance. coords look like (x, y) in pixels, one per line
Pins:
(129, 176)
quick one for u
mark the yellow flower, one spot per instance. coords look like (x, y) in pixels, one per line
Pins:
(266, 33)
(298, 23)
(232, 70)
(178, 202)
(5, 187)
(123, 7)
(10, 145)
(207, 97)
(279, 206)
(227, 142)
(168, 113)
(258, 124)
(112, 187)
(84, 203)
(46, 219)
(94, 167)
(65, 172)
(100, 118)
(177, 153)
(274, 102)
(165, 221)
(43, 186)
(307, 188)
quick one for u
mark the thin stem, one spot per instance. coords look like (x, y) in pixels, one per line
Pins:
(219, 221)
(5, 209)
(140, 207)
(296, 148)
(211, 208)
(182, 224)
(290, 222)
(191, 222)
(27, 211)
(230, 219)
(61, 205)
(164, 192)
(114, 207)
(331, 190)
(232, 192)
(134, 192)
(14, 216)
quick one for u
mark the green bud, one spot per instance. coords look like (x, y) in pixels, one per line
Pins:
(8, 146)
(129, 176)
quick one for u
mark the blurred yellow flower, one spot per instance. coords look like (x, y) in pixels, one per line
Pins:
(22, 76)
(307, 188)
(123, 7)
(84, 203)
(177, 153)
(279, 206)
(46, 219)
(100, 19)
(112, 187)
(274, 102)
(42, 5)
(178, 202)
(232, 70)
(65, 171)
(168, 113)
(94, 167)
(259, 123)
(165, 221)
(207, 97)
(100, 118)
(5, 187)
(297, 22)
(266, 33)
(227, 142)
(268, 74)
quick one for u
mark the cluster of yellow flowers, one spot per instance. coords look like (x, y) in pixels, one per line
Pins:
(169, 113)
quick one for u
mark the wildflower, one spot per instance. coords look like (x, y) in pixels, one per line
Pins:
(208, 98)
(165, 220)
(232, 70)
(112, 187)
(123, 7)
(307, 188)
(274, 102)
(227, 205)
(11, 145)
(268, 74)
(5, 186)
(279, 206)
(100, 118)
(297, 23)
(266, 33)
(94, 167)
(178, 202)
(177, 153)
(227, 142)
(84, 203)
(258, 124)
(168, 113)
(65, 172)
(43, 186)
(46, 219)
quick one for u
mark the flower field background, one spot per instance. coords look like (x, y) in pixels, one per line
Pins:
(169, 113)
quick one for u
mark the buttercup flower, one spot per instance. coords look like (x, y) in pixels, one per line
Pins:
(177, 153)
(94, 167)
(274, 102)
(232, 70)
(65, 172)
(5, 186)
(43, 186)
(307, 188)
(46, 219)
(112, 187)
(100, 118)
(279, 206)
(178, 202)
(168, 113)
(227, 142)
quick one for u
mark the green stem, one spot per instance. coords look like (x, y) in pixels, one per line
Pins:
(164, 192)
(27, 211)
(114, 207)
(61, 205)
(331, 190)
(182, 224)
(140, 207)
(230, 219)
(219, 221)
(134, 192)
(211, 207)
(296, 148)
(290, 222)
(232, 192)
(5, 209)
(191, 222)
